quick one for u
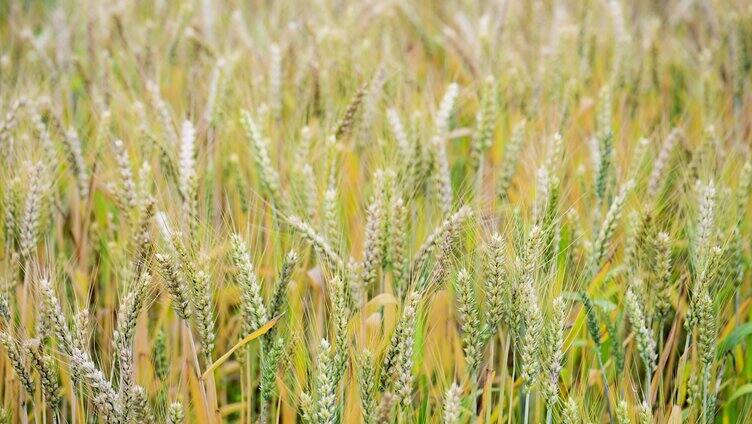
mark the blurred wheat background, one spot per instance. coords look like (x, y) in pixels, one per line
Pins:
(375, 211)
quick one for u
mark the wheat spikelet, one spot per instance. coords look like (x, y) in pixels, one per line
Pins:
(553, 352)
(661, 162)
(279, 296)
(449, 226)
(18, 362)
(77, 163)
(452, 404)
(440, 162)
(603, 240)
(176, 285)
(645, 343)
(511, 157)
(484, 123)
(326, 386)
(203, 312)
(54, 317)
(163, 112)
(104, 397)
(252, 303)
(367, 386)
(46, 367)
(267, 385)
(275, 81)
(317, 241)
(469, 317)
(269, 175)
(29, 228)
(348, 119)
(175, 414)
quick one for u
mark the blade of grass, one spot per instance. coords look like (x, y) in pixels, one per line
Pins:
(247, 339)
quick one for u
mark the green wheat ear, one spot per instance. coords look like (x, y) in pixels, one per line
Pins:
(160, 356)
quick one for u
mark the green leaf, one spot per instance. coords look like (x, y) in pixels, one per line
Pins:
(734, 338)
(254, 335)
(423, 412)
(741, 391)
(603, 304)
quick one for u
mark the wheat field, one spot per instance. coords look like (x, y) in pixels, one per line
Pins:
(368, 211)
